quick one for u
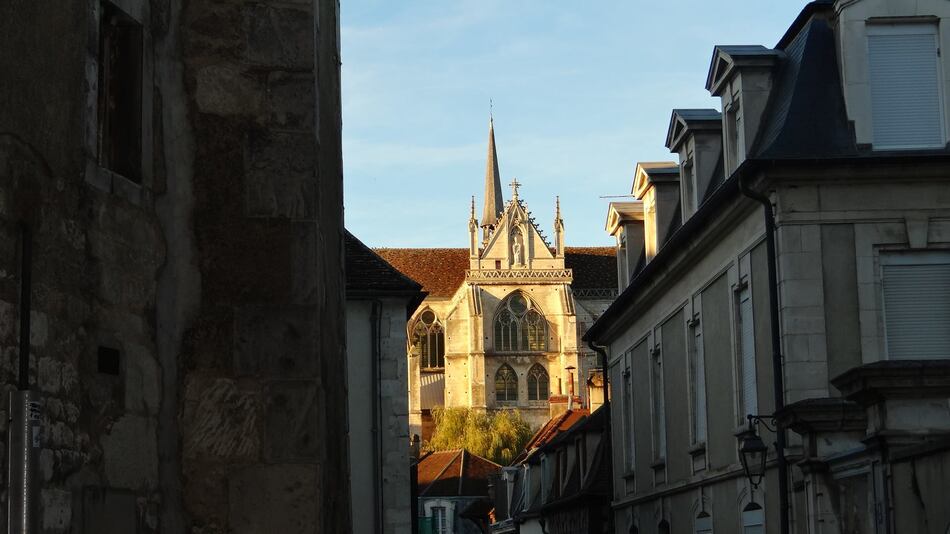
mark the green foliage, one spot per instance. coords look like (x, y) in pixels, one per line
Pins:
(498, 435)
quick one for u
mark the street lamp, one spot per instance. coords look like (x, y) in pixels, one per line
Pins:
(752, 450)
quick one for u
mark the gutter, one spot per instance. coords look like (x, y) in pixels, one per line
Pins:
(375, 325)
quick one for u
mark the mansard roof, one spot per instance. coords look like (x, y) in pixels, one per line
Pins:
(442, 270)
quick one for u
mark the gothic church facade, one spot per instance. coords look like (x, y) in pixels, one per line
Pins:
(501, 325)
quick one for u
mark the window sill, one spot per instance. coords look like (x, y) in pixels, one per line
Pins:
(628, 475)
(698, 449)
(111, 182)
(659, 464)
(433, 370)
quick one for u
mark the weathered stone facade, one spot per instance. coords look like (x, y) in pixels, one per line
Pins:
(187, 315)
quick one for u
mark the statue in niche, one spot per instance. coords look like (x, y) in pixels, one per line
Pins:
(516, 250)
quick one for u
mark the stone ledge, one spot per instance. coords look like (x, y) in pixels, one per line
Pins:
(822, 415)
(871, 383)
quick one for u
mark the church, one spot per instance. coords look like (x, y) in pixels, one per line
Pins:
(501, 325)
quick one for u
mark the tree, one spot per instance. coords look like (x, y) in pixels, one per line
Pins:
(498, 435)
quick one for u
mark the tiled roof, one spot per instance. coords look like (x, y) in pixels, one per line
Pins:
(594, 267)
(551, 430)
(366, 271)
(442, 270)
(457, 473)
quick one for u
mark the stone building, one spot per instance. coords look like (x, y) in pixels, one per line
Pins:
(501, 323)
(379, 302)
(827, 168)
(176, 169)
(450, 483)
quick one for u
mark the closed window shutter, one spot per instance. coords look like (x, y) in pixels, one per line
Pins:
(917, 310)
(750, 403)
(905, 95)
(698, 374)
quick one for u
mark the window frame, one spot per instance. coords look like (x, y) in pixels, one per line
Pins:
(436, 329)
(514, 376)
(520, 329)
(906, 258)
(533, 374)
(907, 28)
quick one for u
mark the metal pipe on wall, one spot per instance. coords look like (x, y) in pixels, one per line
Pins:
(778, 379)
(23, 435)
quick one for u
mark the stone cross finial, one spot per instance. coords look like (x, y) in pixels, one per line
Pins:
(514, 188)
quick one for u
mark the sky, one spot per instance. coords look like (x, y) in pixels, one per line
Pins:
(581, 92)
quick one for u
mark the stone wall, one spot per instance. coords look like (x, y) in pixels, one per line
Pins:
(188, 329)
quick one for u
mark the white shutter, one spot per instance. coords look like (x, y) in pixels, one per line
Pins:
(750, 403)
(917, 306)
(905, 94)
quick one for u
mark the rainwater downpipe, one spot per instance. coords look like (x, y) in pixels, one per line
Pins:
(778, 381)
(24, 414)
(376, 350)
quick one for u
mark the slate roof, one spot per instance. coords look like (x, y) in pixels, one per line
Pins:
(367, 271)
(457, 473)
(442, 270)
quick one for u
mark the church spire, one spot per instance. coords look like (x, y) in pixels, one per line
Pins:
(494, 203)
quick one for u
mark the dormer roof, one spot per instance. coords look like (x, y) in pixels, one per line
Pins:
(727, 58)
(619, 213)
(651, 172)
(685, 120)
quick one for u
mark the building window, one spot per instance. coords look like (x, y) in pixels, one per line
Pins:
(697, 378)
(439, 524)
(703, 524)
(732, 124)
(538, 383)
(905, 86)
(120, 93)
(745, 336)
(506, 385)
(526, 488)
(520, 326)
(659, 406)
(628, 415)
(428, 338)
(753, 519)
(916, 289)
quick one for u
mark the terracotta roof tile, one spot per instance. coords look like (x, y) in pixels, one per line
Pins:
(442, 270)
(454, 474)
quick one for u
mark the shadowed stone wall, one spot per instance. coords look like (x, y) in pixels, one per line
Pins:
(217, 278)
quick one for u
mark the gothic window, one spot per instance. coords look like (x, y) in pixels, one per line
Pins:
(506, 385)
(520, 326)
(428, 340)
(537, 383)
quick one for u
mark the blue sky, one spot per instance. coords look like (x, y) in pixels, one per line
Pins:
(581, 90)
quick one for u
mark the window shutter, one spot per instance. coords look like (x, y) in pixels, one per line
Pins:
(905, 94)
(917, 310)
(750, 403)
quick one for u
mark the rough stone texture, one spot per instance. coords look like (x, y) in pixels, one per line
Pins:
(217, 279)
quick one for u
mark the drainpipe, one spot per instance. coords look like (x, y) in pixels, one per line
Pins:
(778, 382)
(603, 366)
(375, 325)
(24, 415)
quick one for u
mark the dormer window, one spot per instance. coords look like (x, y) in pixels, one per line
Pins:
(732, 127)
(905, 86)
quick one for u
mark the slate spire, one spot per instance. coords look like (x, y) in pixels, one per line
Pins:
(494, 203)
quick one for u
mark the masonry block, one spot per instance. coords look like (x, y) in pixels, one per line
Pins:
(279, 37)
(280, 175)
(275, 342)
(291, 421)
(280, 498)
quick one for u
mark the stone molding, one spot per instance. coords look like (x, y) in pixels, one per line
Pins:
(521, 276)
(871, 383)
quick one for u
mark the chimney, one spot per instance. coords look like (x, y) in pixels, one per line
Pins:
(657, 185)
